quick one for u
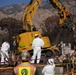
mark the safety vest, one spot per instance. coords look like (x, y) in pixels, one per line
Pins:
(25, 69)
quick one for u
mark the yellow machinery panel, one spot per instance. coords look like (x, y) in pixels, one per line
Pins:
(46, 41)
(27, 38)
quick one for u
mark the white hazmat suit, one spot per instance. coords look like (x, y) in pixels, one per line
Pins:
(4, 52)
(49, 68)
(36, 45)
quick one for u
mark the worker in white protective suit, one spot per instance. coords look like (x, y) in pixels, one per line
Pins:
(49, 69)
(37, 44)
(4, 52)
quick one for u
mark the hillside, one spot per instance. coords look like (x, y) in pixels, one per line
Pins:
(16, 11)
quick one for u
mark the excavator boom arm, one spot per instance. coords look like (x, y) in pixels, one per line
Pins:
(32, 7)
(63, 12)
(29, 13)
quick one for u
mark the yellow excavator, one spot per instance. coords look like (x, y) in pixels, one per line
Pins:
(26, 38)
